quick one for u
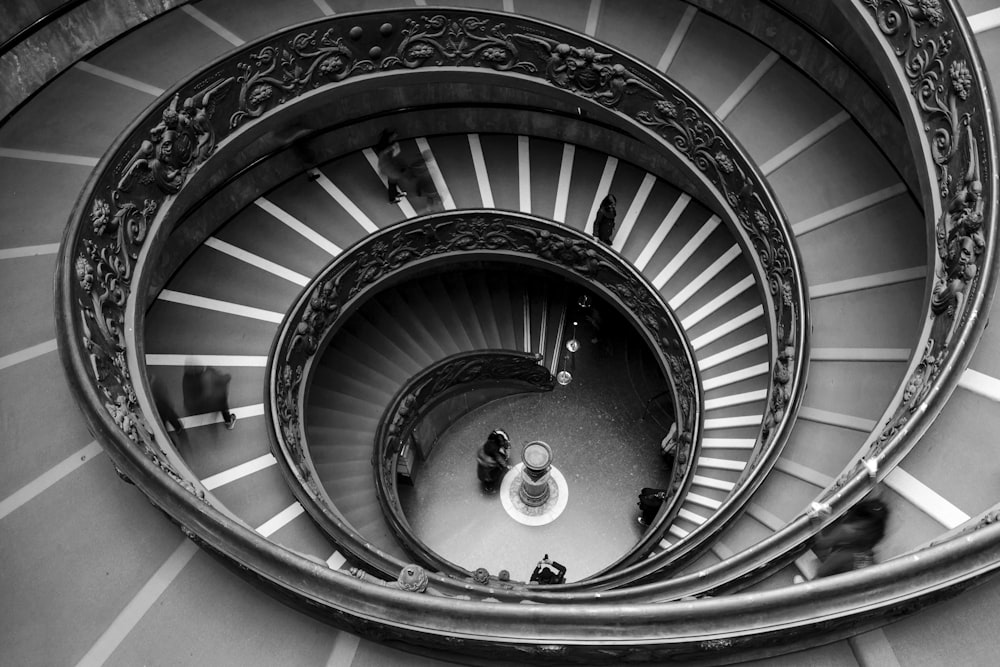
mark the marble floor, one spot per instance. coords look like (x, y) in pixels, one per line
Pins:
(600, 444)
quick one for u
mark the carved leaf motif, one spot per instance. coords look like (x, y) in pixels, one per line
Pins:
(440, 41)
(276, 74)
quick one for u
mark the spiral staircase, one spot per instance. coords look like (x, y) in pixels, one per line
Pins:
(93, 575)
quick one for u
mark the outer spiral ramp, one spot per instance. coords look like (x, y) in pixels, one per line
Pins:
(92, 574)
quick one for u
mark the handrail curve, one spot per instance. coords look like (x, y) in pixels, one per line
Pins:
(453, 236)
(937, 63)
(155, 158)
(517, 372)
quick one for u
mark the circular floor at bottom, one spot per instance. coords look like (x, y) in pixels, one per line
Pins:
(599, 444)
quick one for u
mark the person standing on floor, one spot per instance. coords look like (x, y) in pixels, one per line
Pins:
(548, 572)
(493, 460)
(604, 223)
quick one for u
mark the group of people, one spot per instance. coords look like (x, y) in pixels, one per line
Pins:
(492, 463)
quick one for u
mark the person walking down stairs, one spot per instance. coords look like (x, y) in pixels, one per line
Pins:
(604, 223)
(390, 164)
(206, 390)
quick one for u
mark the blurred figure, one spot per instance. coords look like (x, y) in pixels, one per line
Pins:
(604, 223)
(493, 460)
(390, 164)
(163, 405)
(206, 390)
(548, 572)
(420, 179)
(649, 503)
(849, 544)
(299, 138)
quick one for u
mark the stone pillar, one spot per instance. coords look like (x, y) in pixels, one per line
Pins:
(537, 458)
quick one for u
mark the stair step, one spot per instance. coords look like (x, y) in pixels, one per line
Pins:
(456, 288)
(407, 332)
(320, 397)
(497, 286)
(423, 328)
(390, 341)
(381, 360)
(440, 324)
(451, 313)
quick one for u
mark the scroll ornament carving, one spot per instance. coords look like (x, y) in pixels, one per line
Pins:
(781, 390)
(685, 127)
(942, 84)
(107, 253)
(276, 74)
(576, 254)
(323, 307)
(287, 408)
(103, 272)
(439, 40)
(586, 71)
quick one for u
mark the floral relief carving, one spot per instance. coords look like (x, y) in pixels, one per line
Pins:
(119, 223)
(323, 306)
(687, 129)
(275, 74)
(587, 72)
(439, 40)
(935, 63)
(287, 406)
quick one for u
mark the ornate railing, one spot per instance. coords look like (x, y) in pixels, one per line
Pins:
(950, 116)
(118, 223)
(160, 157)
(448, 237)
(514, 372)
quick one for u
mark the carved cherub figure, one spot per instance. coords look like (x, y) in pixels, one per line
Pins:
(781, 392)
(184, 137)
(960, 238)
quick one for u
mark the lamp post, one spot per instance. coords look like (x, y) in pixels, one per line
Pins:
(537, 458)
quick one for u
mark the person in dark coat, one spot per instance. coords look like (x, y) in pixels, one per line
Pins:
(548, 572)
(493, 459)
(206, 389)
(604, 223)
(849, 544)
(390, 164)
(649, 503)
